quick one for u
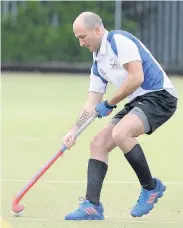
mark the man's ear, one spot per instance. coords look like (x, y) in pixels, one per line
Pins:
(97, 29)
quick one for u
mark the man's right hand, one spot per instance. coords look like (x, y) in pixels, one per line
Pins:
(69, 140)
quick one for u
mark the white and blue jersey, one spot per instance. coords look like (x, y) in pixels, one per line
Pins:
(118, 48)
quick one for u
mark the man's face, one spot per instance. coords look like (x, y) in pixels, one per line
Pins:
(88, 38)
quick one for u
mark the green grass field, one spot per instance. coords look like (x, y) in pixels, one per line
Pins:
(37, 110)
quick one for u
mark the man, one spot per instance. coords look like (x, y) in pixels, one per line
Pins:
(120, 58)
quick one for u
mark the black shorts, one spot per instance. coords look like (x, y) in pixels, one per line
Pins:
(158, 107)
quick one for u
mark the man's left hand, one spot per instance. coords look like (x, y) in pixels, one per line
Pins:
(104, 109)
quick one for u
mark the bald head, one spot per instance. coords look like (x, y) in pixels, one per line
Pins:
(89, 29)
(89, 20)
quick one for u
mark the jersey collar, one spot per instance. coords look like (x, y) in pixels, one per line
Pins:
(102, 50)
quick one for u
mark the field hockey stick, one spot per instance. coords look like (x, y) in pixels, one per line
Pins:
(16, 207)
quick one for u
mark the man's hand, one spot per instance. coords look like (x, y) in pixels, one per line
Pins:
(104, 109)
(69, 139)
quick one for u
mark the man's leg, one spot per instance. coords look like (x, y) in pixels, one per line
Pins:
(100, 147)
(124, 135)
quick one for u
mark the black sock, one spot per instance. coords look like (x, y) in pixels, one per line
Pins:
(138, 162)
(96, 174)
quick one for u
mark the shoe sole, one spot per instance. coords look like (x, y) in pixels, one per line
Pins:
(78, 219)
(156, 200)
(84, 219)
(89, 219)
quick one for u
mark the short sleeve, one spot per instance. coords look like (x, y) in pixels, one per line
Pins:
(126, 49)
(97, 83)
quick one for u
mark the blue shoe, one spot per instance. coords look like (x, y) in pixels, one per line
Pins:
(87, 211)
(147, 199)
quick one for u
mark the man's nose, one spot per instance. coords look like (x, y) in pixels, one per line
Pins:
(82, 43)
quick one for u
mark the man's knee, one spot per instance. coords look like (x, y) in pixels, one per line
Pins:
(130, 126)
(119, 135)
(97, 143)
(102, 142)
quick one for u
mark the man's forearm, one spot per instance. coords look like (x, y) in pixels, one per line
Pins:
(129, 85)
(83, 116)
(87, 110)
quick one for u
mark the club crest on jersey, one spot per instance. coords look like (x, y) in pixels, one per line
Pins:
(113, 63)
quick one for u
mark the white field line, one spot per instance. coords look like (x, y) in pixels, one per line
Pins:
(105, 221)
(83, 182)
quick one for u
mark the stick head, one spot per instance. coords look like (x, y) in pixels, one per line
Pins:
(17, 208)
